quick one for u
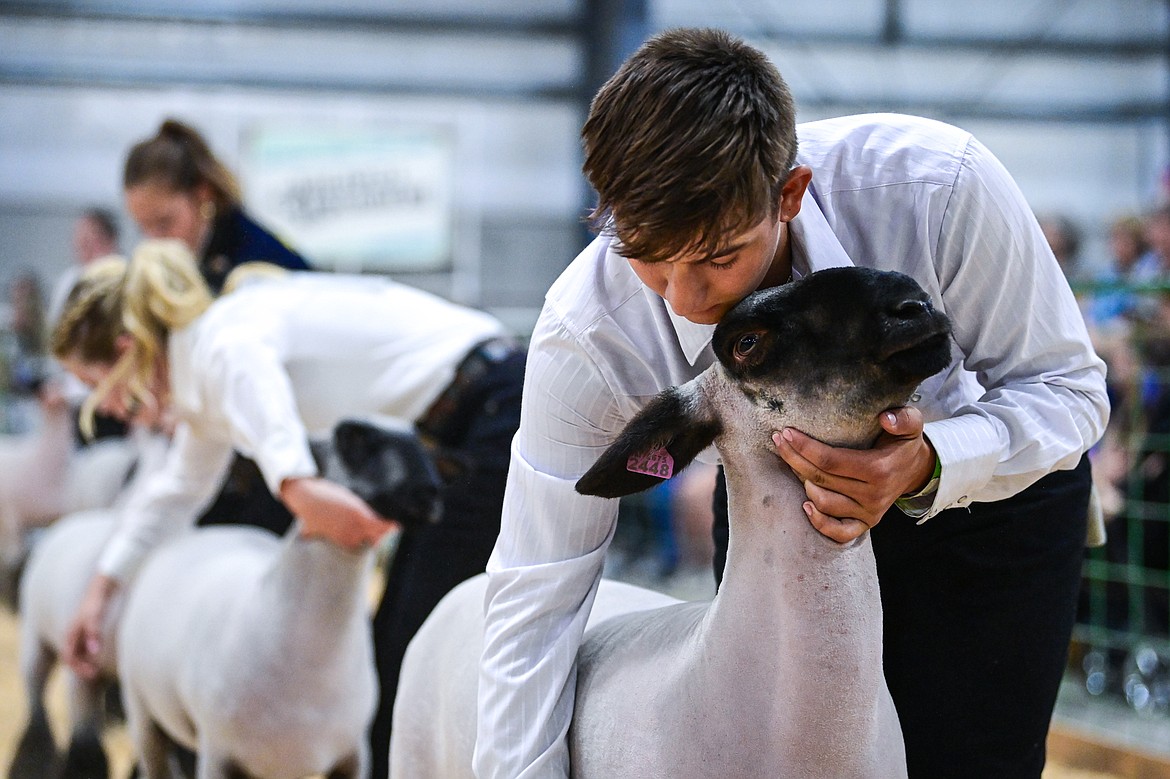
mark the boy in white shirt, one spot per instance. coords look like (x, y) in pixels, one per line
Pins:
(704, 197)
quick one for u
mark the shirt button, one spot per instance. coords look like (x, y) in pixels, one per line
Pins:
(915, 397)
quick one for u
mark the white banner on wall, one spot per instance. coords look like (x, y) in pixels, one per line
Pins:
(354, 198)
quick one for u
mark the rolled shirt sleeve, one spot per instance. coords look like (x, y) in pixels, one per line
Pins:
(257, 398)
(1022, 335)
(545, 568)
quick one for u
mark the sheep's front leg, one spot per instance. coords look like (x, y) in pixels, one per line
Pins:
(214, 765)
(36, 753)
(86, 756)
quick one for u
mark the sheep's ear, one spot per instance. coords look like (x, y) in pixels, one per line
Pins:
(675, 420)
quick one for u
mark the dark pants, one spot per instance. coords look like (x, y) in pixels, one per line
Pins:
(244, 499)
(429, 562)
(978, 612)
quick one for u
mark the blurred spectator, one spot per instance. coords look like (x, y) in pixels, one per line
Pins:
(1064, 238)
(1130, 262)
(22, 351)
(176, 187)
(1129, 248)
(1147, 486)
(95, 234)
(1158, 237)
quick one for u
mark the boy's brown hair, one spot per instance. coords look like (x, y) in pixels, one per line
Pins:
(688, 143)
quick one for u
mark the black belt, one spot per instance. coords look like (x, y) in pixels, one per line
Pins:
(443, 417)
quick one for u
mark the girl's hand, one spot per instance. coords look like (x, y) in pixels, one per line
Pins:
(83, 640)
(849, 490)
(331, 511)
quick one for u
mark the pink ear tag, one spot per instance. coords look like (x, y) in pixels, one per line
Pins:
(657, 463)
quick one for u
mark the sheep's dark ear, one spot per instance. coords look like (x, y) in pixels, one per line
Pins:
(672, 420)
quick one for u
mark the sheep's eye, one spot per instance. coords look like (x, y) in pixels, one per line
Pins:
(746, 343)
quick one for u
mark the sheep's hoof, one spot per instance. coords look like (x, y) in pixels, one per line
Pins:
(36, 755)
(86, 759)
(10, 573)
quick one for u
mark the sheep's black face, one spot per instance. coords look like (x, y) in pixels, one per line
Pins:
(859, 335)
(386, 465)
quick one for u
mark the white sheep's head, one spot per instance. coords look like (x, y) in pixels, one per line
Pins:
(385, 464)
(825, 354)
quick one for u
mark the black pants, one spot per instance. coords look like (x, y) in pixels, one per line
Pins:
(429, 562)
(244, 499)
(978, 610)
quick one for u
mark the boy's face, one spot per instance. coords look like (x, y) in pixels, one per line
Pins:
(702, 288)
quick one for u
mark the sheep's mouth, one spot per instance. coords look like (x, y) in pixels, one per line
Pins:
(929, 351)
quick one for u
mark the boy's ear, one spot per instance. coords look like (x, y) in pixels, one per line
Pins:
(676, 420)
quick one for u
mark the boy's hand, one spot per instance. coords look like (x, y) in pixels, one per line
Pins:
(849, 490)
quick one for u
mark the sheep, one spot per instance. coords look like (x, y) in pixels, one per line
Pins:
(52, 584)
(254, 651)
(44, 476)
(58, 570)
(780, 674)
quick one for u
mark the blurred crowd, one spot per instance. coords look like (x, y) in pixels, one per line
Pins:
(1125, 300)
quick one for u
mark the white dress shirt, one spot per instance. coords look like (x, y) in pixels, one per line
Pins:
(1023, 396)
(269, 365)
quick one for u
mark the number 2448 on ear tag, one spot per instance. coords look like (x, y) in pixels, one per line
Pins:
(655, 463)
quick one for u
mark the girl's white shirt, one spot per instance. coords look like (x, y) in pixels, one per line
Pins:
(280, 360)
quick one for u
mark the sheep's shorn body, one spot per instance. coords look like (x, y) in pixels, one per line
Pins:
(58, 570)
(59, 567)
(44, 476)
(255, 652)
(781, 674)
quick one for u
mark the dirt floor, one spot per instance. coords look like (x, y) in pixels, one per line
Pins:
(12, 717)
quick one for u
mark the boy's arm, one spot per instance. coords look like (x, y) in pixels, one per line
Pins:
(1021, 333)
(544, 571)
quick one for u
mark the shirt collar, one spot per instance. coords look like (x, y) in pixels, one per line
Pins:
(814, 247)
(692, 338)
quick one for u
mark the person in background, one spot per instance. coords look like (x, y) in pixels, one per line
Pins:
(23, 356)
(977, 493)
(1128, 249)
(1108, 310)
(176, 188)
(258, 370)
(1064, 239)
(1157, 234)
(95, 234)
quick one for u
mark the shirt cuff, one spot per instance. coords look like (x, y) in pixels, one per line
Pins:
(968, 449)
(120, 559)
(278, 463)
(918, 505)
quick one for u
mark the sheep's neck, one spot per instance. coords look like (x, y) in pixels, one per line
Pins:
(798, 616)
(312, 598)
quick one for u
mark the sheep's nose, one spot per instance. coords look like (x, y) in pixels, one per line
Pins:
(910, 309)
